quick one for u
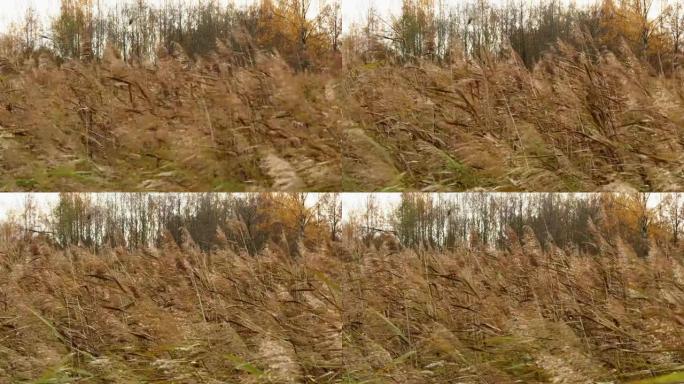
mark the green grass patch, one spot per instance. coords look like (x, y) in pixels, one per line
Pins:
(66, 172)
(245, 366)
(397, 184)
(571, 183)
(228, 186)
(466, 177)
(515, 356)
(671, 378)
(26, 184)
(63, 373)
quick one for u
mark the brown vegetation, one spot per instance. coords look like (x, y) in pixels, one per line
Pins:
(579, 121)
(174, 314)
(176, 125)
(477, 96)
(572, 123)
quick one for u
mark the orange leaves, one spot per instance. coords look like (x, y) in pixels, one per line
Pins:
(296, 217)
(297, 30)
(633, 21)
(638, 218)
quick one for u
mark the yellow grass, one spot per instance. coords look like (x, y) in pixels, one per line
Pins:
(579, 121)
(469, 316)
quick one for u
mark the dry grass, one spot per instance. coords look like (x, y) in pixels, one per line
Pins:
(352, 315)
(232, 122)
(175, 125)
(571, 124)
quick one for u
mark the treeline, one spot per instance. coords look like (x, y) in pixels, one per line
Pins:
(296, 221)
(491, 220)
(134, 220)
(309, 34)
(481, 29)
(304, 33)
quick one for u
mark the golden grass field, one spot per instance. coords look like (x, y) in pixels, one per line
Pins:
(345, 313)
(240, 122)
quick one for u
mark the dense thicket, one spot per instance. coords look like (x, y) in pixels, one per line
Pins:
(424, 221)
(309, 35)
(144, 220)
(292, 221)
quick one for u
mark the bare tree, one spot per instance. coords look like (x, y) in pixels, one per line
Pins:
(675, 24)
(672, 212)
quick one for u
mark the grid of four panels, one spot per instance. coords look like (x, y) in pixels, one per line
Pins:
(335, 191)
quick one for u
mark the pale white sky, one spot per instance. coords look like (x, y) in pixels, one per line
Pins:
(11, 202)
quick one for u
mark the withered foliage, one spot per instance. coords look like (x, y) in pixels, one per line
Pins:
(345, 313)
(243, 120)
(216, 123)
